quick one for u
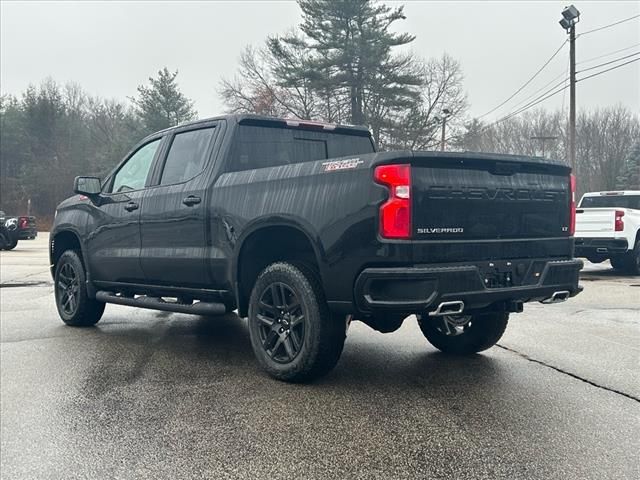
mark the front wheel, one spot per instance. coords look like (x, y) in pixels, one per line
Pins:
(294, 336)
(74, 305)
(463, 334)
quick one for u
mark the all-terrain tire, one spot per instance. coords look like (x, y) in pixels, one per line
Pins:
(11, 245)
(632, 260)
(72, 301)
(4, 240)
(618, 263)
(482, 332)
(321, 340)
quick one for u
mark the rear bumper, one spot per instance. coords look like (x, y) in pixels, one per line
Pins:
(27, 233)
(422, 288)
(603, 247)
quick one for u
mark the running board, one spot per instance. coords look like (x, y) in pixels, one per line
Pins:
(152, 303)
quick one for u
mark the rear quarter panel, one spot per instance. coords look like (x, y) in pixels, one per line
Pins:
(336, 207)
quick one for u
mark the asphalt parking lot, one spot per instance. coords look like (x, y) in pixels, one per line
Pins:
(157, 395)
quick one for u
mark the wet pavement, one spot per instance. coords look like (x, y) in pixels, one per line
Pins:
(157, 395)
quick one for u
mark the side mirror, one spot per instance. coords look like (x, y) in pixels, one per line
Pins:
(87, 186)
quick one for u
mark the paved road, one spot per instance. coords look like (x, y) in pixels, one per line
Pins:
(156, 395)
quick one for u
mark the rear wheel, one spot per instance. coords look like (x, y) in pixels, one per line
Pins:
(633, 260)
(4, 241)
(617, 262)
(464, 334)
(294, 336)
(74, 305)
(11, 244)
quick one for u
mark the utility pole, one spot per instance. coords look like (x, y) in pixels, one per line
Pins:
(571, 16)
(572, 97)
(445, 114)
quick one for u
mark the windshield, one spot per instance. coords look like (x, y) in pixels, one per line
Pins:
(612, 201)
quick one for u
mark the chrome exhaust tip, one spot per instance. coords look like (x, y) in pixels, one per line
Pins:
(557, 297)
(448, 308)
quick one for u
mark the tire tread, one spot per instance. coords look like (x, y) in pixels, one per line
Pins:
(326, 347)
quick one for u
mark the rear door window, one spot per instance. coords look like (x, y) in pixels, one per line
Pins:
(187, 155)
(260, 147)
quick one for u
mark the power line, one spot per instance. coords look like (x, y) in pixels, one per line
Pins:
(609, 62)
(528, 106)
(528, 81)
(607, 70)
(544, 97)
(562, 82)
(609, 26)
(608, 54)
(524, 100)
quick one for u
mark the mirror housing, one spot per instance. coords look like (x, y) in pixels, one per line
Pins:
(88, 186)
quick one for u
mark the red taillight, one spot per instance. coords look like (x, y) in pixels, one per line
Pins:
(572, 205)
(619, 222)
(24, 221)
(395, 213)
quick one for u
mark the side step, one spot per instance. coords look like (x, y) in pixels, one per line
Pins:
(198, 308)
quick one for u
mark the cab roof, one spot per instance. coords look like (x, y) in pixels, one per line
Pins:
(263, 120)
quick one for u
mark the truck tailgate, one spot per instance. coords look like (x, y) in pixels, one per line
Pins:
(594, 221)
(488, 199)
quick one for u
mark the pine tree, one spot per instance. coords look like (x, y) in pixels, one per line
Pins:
(161, 104)
(350, 44)
(629, 178)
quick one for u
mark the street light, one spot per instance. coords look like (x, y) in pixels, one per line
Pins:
(445, 114)
(571, 16)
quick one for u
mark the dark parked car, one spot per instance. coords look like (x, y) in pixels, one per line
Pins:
(27, 229)
(303, 227)
(8, 232)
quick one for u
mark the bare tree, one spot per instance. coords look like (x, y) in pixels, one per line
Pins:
(418, 127)
(604, 138)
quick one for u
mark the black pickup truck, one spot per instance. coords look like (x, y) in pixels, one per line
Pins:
(303, 227)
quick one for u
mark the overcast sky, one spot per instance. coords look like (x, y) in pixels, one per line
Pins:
(109, 48)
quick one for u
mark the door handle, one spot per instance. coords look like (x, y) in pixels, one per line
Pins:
(191, 201)
(131, 206)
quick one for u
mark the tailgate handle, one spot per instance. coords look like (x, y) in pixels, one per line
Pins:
(505, 168)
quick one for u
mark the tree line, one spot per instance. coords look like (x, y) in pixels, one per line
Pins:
(51, 133)
(344, 63)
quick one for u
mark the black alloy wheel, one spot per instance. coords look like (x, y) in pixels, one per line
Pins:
(74, 305)
(282, 322)
(463, 334)
(293, 334)
(68, 289)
